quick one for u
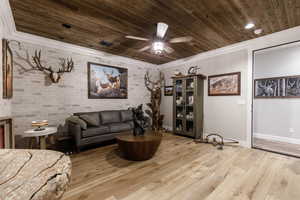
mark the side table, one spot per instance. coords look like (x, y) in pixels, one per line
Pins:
(41, 135)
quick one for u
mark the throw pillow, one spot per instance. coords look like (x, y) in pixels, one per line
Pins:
(76, 120)
(91, 119)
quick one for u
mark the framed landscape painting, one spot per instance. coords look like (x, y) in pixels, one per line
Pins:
(168, 90)
(7, 69)
(107, 82)
(224, 84)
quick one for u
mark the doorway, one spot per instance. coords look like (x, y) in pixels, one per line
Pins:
(276, 99)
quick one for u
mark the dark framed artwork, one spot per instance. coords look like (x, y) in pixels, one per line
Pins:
(277, 87)
(107, 82)
(168, 90)
(7, 69)
(224, 84)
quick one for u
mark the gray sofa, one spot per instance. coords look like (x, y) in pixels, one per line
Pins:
(111, 123)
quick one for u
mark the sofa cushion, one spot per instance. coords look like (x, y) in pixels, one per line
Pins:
(94, 131)
(126, 115)
(77, 120)
(119, 127)
(108, 117)
(91, 119)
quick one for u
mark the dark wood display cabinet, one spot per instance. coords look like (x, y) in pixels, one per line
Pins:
(188, 105)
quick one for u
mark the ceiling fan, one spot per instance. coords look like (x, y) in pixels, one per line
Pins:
(159, 43)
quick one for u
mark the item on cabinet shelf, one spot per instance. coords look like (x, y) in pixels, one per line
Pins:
(177, 73)
(141, 122)
(7, 70)
(179, 127)
(39, 125)
(107, 82)
(178, 88)
(66, 65)
(193, 70)
(155, 89)
(191, 100)
(179, 115)
(216, 140)
(224, 84)
(190, 116)
(168, 90)
(191, 86)
(179, 101)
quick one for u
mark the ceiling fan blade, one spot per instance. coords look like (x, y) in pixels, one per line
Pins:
(136, 38)
(169, 49)
(181, 39)
(161, 30)
(145, 48)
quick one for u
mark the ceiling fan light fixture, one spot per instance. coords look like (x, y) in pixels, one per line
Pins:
(158, 47)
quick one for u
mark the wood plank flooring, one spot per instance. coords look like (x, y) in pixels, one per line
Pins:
(183, 170)
(281, 147)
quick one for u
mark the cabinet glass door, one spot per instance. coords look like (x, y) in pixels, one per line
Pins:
(180, 106)
(189, 106)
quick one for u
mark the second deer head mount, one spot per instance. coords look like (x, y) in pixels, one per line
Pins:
(67, 65)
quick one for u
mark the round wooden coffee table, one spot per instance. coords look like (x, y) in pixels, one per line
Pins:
(139, 148)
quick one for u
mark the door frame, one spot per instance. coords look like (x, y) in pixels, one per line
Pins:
(252, 98)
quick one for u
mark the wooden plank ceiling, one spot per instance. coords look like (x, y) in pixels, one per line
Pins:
(212, 23)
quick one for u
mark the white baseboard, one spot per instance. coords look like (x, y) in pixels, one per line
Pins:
(277, 138)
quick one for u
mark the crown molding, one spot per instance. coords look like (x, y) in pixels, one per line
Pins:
(10, 32)
(281, 37)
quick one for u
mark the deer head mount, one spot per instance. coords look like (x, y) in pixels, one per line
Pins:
(154, 85)
(55, 76)
(67, 65)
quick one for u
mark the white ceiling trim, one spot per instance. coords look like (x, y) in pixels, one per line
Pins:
(285, 36)
(11, 33)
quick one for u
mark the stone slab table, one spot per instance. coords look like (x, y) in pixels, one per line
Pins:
(33, 174)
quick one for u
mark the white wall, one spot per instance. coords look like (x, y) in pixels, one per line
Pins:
(225, 115)
(275, 118)
(281, 37)
(5, 105)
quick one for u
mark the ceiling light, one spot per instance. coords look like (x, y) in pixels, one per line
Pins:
(249, 26)
(158, 47)
(258, 31)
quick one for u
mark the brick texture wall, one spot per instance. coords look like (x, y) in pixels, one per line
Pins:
(34, 98)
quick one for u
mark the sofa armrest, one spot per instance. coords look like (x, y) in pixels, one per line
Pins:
(75, 132)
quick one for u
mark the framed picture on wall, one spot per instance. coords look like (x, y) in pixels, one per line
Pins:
(168, 90)
(277, 87)
(107, 82)
(224, 84)
(7, 69)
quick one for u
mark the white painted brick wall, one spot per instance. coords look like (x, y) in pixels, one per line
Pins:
(33, 100)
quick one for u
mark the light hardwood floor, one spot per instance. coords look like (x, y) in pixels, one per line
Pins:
(183, 170)
(281, 147)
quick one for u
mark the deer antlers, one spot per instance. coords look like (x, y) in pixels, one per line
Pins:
(154, 84)
(54, 76)
(66, 66)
